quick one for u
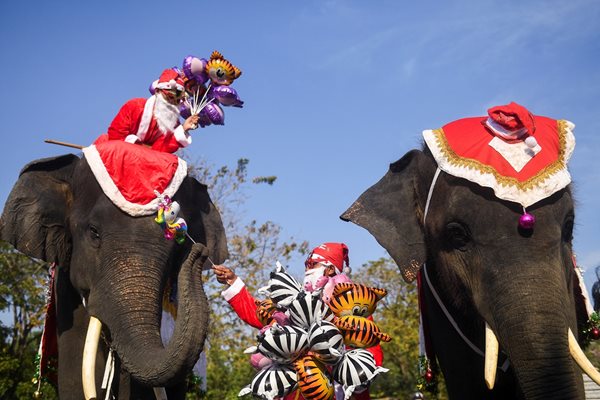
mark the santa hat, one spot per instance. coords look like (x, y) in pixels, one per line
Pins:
(335, 254)
(169, 80)
(511, 122)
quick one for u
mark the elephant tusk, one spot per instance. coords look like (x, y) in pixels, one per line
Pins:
(581, 360)
(88, 366)
(491, 357)
(160, 393)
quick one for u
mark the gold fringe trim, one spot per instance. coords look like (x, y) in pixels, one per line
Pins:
(534, 181)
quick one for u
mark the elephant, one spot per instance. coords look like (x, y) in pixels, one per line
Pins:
(484, 280)
(113, 268)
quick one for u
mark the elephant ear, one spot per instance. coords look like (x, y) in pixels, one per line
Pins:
(34, 219)
(203, 218)
(389, 211)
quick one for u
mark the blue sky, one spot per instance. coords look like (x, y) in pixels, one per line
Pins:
(334, 90)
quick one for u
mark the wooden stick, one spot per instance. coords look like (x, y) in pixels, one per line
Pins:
(75, 146)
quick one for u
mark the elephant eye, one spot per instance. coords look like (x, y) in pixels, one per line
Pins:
(457, 235)
(94, 233)
(567, 230)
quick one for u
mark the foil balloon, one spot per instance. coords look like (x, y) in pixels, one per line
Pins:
(225, 95)
(355, 299)
(325, 342)
(273, 382)
(184, 110)
(314, 380)
(282, 288)
(152, 87)
(307, 308)
(220, 71)
(282, 344)
(265, 310)
(195, 68)
(213, 113)
(356, 370)
(259, 361)
(330, 285)
(360, 332)
(203, 120)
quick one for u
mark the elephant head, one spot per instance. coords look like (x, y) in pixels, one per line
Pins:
(484, 281)
(114, 267)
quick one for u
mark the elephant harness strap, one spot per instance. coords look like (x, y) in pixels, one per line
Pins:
(424, 340)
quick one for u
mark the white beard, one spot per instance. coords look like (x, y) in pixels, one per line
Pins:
(166, 114)
(312, 275)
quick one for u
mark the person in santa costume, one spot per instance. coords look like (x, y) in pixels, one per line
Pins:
(326, 260)
(155, 121)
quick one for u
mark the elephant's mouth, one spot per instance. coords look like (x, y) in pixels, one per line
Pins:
(88, 366)
(491, 357)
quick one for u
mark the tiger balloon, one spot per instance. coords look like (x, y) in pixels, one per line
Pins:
(355, 299)
(360, 332)
(314, 380)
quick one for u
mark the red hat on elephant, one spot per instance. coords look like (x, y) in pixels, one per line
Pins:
(335, 254)
(170, 80)
(511, 121)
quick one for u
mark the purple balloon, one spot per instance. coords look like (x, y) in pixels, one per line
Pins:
(184, 111)
(152, 87)
(225, 95)
(214, 113)
(203, 120)
(195, 68)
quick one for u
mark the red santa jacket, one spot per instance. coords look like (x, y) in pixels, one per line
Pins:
(242, 302)
(135, 123)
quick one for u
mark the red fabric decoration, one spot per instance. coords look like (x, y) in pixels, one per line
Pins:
(129, 174)
(329, 253)
(48, 350)
(468, 138)
(513, 117)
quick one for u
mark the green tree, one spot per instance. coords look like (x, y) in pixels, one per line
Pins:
(254, 248)
(397, 314)
(23, 303)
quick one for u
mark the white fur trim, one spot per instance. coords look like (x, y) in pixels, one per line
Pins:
(132, 139)
(502, 131)
(169, 85)
(233, 290)
(112, 192)
(146, 117)
(182, 136)
(552, 184)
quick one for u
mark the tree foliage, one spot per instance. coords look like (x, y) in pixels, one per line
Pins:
(23, 291)
(397, 314)
(254, 247)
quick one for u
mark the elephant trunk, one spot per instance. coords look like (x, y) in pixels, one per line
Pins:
(135, 323)
(533, 332)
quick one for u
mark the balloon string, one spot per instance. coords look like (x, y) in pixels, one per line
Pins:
(193, 241)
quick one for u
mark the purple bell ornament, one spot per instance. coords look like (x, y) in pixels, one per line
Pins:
(526, 221)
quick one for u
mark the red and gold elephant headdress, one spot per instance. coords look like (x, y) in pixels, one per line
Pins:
(522, 157)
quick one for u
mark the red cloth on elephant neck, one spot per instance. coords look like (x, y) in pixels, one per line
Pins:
(130, 174)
